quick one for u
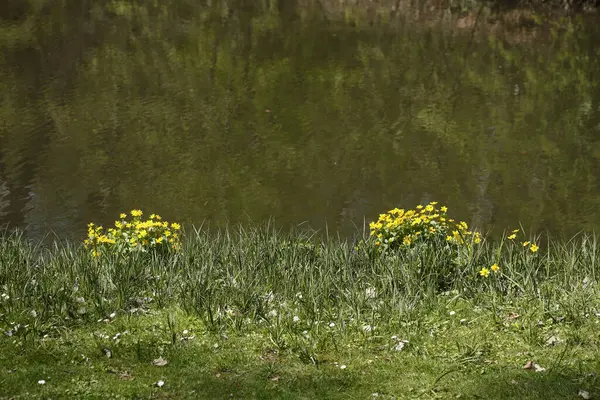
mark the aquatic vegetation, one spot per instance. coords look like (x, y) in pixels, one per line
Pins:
(134, 234)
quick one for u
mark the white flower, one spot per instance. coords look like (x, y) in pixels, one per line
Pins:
(370, 293)
(367, 328)
(394, 338)
(331, 324)
(272, 313)
(399, 346)
(296, 318)
(33, 313)
(41, 382)
(452, 312)
(343, 366)
(185, 331)
(112, 315)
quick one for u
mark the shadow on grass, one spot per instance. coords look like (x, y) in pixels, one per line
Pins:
(512, 384)
(259, 384)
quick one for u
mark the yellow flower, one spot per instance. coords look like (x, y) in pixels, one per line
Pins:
(377, 243)
(534, 248)
(516, 231)
(419, 206)
(495, 268)
(525, 244)
(159, 240)
(512, 237)
(484, 272)
(429, 208)
(136, 213)
(95, 253)
(444, 209)
(122, 215)
(175, 226)
(406, 240)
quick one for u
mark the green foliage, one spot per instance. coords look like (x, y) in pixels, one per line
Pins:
(301, 314)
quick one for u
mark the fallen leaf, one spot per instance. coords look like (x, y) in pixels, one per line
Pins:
(160, 362)
(530, 365)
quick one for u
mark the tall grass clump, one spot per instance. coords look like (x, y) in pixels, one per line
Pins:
(297, 287)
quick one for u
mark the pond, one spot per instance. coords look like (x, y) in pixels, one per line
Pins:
(296, 112)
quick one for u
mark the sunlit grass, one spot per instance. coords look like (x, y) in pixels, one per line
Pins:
(257, 312)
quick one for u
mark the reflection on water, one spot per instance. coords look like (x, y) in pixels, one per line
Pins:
(205, 112)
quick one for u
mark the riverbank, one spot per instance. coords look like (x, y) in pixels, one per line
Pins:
(257, 313)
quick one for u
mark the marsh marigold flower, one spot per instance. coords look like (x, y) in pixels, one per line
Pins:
(484, 272)
(534, 248)
(136, 213)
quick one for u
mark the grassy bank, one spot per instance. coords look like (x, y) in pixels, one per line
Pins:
(258, 313)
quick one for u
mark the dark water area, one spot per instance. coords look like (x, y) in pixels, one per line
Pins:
(220, 113)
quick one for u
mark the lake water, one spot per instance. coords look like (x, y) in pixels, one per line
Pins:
(321, 115)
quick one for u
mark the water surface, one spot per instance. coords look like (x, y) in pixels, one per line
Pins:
(201, 111)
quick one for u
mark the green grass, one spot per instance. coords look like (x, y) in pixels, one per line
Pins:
(258, 313)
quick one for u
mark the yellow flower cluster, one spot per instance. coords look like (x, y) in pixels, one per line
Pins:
(134, 234)
(400, 227)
